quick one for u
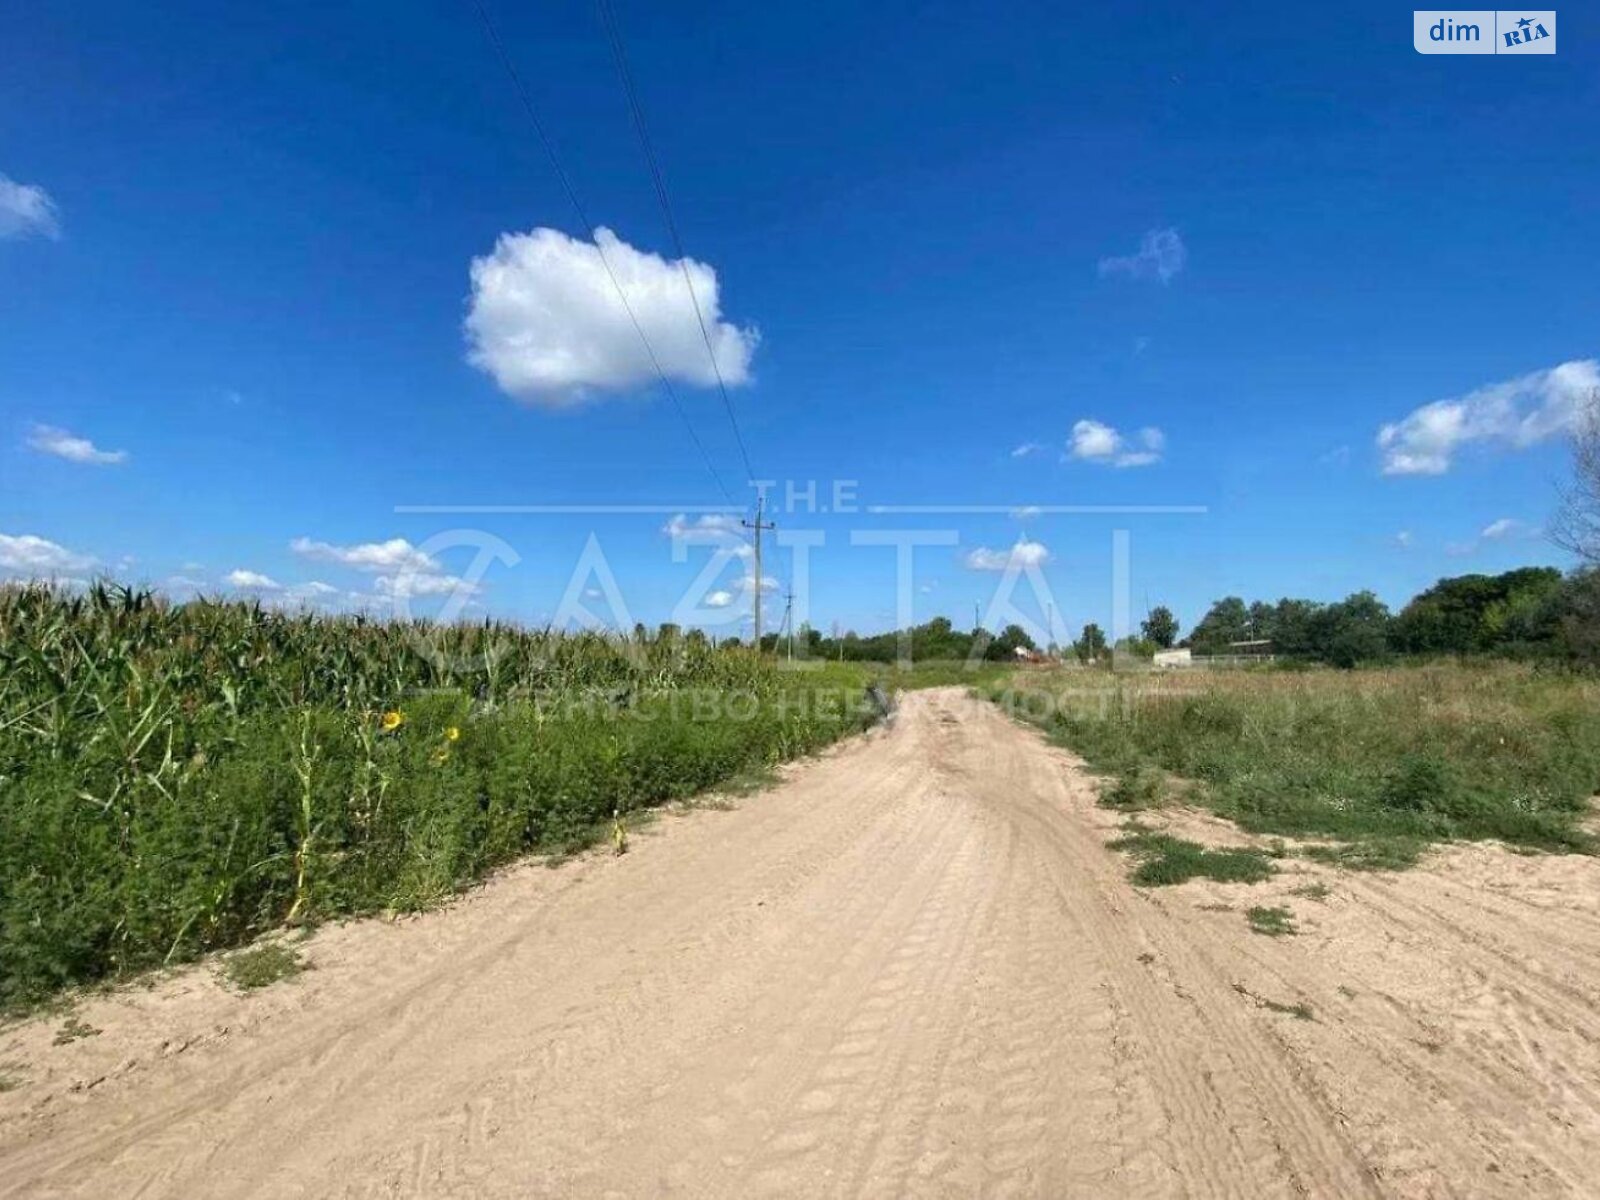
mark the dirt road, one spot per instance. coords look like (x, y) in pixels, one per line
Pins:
(913, 968)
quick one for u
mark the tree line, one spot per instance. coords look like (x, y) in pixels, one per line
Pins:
(1531, 612)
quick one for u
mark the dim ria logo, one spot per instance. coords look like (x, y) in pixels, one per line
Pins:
(1484, 31)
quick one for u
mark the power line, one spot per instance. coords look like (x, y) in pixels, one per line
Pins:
(583, 218)
(619, 53)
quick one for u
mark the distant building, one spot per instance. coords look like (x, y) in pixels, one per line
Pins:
(1172, 660)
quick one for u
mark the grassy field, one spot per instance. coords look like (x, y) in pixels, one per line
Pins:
(178, 779)
(1376, 764)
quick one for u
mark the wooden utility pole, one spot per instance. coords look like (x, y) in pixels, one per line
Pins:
(758, 526)
(788, 618)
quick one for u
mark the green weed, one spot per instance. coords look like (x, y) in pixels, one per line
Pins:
(1165, 860)
(72, 1030)
(1273, 922)
(1134, 791)
(261, 965)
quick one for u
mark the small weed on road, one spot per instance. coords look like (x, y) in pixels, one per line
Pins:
(1274, 922)
(1300, 1011)
(1164, 859)
(74, 1030)
(251, 969)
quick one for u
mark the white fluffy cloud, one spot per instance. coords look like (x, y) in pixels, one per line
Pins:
(250, 581)
(396, 554)
(706, 525)
(1096, 442)
(545, 321)
(1025, 449)
(416, 584)
(1516, 413)
(31, 555)
(718, 599)
(1023, 554)
(722, 530)
(49, 439)
(26, 210)
(1161, 255)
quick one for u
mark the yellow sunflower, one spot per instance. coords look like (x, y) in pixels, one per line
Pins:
(392, 720)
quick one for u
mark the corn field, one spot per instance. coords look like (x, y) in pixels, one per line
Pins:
(179, 778)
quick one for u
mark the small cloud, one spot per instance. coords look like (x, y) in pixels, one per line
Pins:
(768, 583)
(49, 439)
(396, 554)
(717, 529)
(29, 554)
(404, 586)
(1027, 448)
(705, 523)
(250, 581)
(1023, 554)
(1516, 413)
(26, 210)
(1505, 529)
(1026, 512)
(1161, 255)
(1403, 539)
(544, 319)
(719, 599)
(1337, 457)
(1096, 442)
(1140, 345)
(314, 594)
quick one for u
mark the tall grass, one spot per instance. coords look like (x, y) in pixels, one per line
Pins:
(1386, 761)
(175, 779)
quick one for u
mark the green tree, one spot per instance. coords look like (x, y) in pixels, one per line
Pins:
(1469, 614)
(1353, 631)
(1091, 644)
(1011, 639)
(1160, 627)
(1227, 621)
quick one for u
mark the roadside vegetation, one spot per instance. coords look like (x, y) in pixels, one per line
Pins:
(1371, 766)
(176, 779)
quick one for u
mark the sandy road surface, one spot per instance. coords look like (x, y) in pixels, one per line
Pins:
(912, 969)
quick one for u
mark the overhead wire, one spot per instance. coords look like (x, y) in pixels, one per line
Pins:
(619, 53)
(565, 180)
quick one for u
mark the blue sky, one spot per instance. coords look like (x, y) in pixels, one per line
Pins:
(237, 248)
